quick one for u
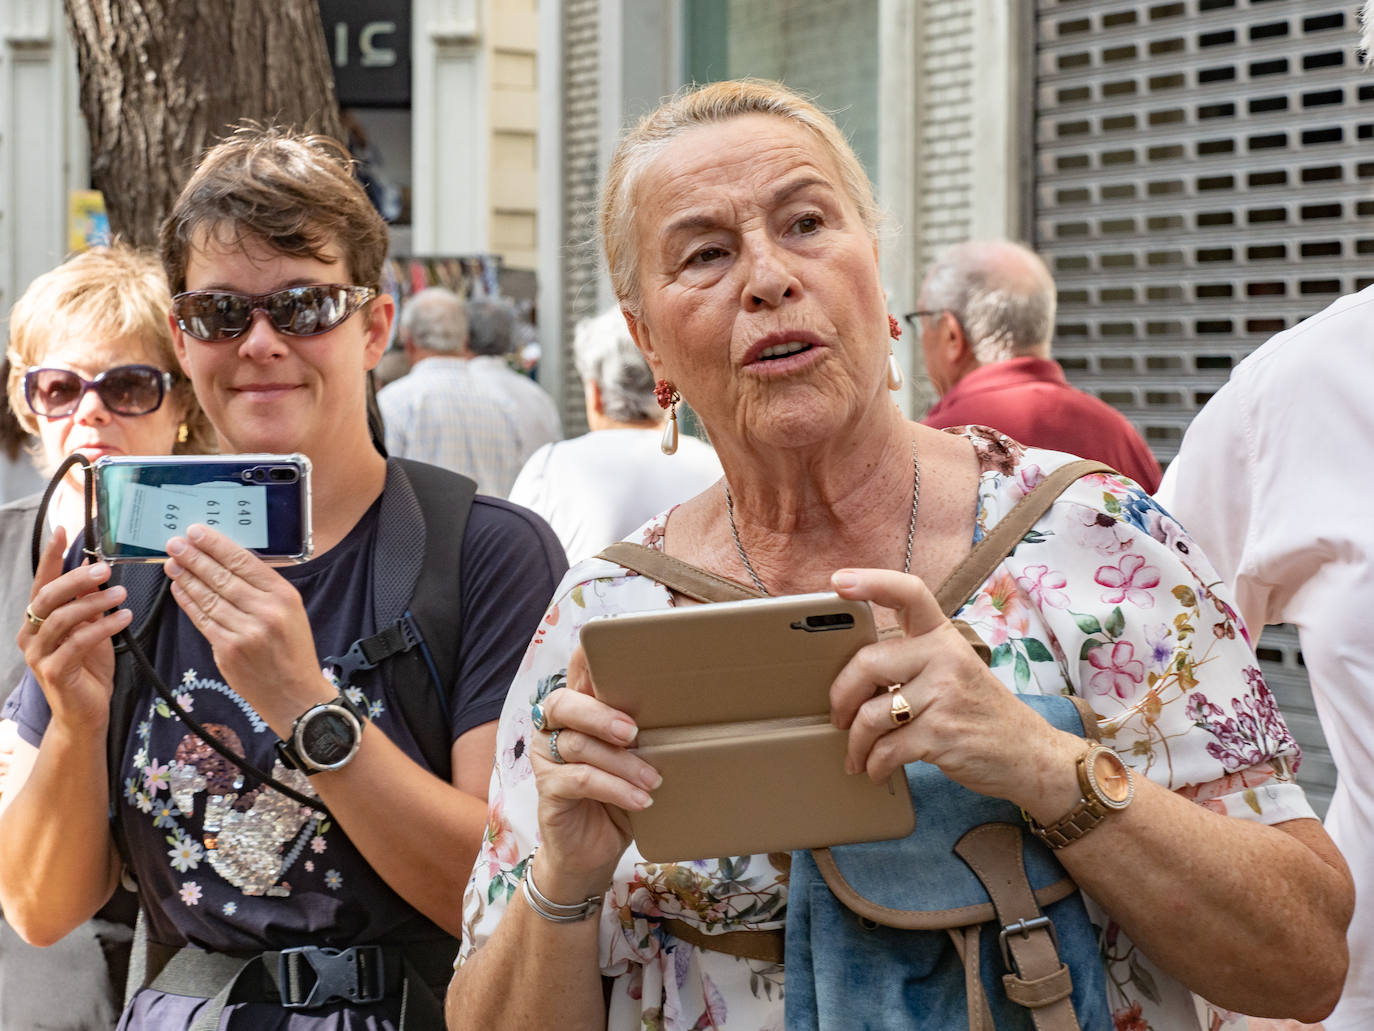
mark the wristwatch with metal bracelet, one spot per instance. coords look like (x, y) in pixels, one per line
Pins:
(324, 737)
(1107, 787)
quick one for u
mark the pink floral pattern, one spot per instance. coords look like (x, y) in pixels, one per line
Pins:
(1130, 580)
(1044, 586)
(1106, 597)
(1119, 671)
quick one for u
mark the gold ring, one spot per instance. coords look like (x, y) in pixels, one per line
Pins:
(34, 621)
(901, 709)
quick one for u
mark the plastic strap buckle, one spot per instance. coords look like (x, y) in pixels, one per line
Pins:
(356, 974)
(366, 652)
(1024, 929)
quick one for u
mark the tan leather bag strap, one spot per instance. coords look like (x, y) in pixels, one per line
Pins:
(985, 556)
(922, 919)
(1003, 538)
(966, 943)
(760, 945)
(1038, 980)
(688, 580)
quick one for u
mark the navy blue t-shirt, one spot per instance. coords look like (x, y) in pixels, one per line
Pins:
(231, 867)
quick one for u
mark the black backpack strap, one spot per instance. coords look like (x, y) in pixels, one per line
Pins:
(416, 597)
(148, 588)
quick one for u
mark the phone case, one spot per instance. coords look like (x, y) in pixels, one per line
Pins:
(132, 492)
(733, 705)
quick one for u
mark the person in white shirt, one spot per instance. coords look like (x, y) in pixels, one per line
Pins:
(461, 406)
(1266, 483)
(598, 488)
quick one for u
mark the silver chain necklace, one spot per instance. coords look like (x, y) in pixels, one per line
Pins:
(910, 530)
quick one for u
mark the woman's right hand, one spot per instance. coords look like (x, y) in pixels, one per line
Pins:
(583, 800)
(70, 651)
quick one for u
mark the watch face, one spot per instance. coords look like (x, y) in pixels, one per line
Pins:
(1111, 777)
(329, 737)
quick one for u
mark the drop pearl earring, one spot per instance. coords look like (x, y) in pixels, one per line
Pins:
(667, 396)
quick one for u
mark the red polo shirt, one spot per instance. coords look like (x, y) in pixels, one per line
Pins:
(1030, 401)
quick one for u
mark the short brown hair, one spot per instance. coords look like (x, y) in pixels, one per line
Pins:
(295, 192)
(694, 106)
(109, 292)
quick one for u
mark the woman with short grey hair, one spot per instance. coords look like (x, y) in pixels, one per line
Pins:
(597, 488)
(607, 358)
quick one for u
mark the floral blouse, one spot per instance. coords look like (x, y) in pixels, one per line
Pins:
(1107, 597)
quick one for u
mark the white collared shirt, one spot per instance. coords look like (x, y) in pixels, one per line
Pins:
(1273, 480)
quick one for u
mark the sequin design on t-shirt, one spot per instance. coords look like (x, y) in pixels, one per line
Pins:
(251, 837)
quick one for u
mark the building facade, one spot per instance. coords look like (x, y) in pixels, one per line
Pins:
(444, 90)
(43, 155)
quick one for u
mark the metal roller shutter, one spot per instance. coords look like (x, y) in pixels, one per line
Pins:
(580, 181)
(1201, 181)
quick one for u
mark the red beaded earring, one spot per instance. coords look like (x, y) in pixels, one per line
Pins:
(894, 371)
(667, 396)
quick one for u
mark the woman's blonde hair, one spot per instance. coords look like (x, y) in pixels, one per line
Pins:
(695, 106)
(103, 293)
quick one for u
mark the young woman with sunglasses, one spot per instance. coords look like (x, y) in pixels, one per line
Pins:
(92, 369)
(264, 913)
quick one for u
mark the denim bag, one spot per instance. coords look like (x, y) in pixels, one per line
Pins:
(969, 922)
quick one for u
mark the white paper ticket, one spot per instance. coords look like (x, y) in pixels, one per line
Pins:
(150, 515)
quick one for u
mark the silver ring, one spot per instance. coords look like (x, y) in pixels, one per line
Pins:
(537, 716)
(34, 621)
(553, 747)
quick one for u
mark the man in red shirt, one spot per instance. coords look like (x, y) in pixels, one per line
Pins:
(986, 320)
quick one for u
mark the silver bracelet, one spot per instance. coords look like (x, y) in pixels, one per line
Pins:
(557, 912)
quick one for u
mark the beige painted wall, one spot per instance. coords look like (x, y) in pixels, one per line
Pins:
(513, 108)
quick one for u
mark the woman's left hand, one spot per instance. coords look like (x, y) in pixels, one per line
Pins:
(254, 620)
(963, 719)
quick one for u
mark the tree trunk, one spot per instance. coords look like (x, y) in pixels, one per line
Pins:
(163, 79)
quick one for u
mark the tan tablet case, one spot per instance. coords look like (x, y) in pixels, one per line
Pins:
(778, 784)
(732, 702)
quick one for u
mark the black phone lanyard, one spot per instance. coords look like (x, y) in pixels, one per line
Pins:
(126, 641)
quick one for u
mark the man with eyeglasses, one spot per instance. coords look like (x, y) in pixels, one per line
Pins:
(985, 322)
(343, 911)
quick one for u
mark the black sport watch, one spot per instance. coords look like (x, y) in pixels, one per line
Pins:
(324, 737)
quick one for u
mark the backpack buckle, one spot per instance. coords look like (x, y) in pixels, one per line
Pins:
(1024, 929)
(366, 652)
(356, 974)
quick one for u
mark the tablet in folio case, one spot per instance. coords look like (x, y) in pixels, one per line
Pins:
(733, 708)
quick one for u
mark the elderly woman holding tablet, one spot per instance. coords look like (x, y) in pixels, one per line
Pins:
(741, 234)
